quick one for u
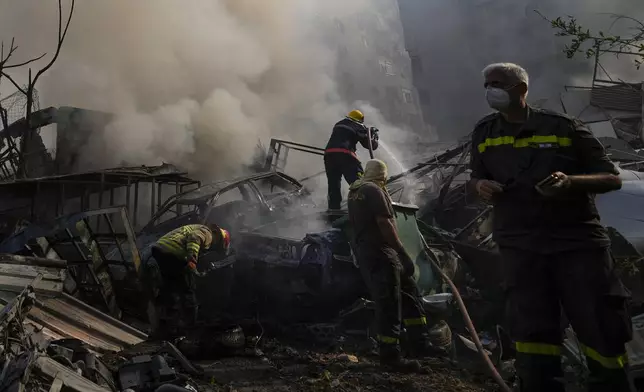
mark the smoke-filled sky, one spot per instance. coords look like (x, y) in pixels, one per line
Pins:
(457, 39)
(197, 83)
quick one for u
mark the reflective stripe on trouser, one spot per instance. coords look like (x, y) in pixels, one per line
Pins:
(609, 362)
(415, 321)
(593, 300)
(395, 295)
(537, 348)
(388, 339)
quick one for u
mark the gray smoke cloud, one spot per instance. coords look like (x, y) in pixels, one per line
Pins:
(458, 39)
(192, 83)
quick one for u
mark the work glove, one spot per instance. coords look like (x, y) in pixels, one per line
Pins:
(192, 263)
(374, 133)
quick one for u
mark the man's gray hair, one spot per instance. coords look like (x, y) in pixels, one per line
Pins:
(515, 72)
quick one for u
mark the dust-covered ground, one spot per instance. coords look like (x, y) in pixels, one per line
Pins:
(279, 367)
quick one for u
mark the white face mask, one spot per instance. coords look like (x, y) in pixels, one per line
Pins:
(497, 98)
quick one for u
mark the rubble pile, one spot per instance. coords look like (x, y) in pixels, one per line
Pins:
(285, 311)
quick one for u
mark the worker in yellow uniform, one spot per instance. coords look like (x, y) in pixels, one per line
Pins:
(177, 253)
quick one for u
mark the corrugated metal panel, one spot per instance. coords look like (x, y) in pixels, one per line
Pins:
(67, 317)
(61, 315)
(626, 97)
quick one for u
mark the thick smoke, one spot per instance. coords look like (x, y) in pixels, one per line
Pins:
(194, 83)
(457, 39)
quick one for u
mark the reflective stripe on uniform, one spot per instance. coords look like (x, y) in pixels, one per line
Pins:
(617, 362)
(524, 142)
(415, 321)
(538, 348)
(185, 241)
(387, 339)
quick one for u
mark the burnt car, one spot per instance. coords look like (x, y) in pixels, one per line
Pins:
(242, 203)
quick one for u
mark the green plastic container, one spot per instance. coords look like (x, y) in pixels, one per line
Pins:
(408, 232)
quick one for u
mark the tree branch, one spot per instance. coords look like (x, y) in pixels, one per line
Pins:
(24, 62)
(600, 42)
(15, 84)
(61, 37)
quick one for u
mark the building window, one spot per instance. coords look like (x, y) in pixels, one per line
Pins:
(423, 95)
(386, 67)
(416, 66)
(408, 96)
(392, 94)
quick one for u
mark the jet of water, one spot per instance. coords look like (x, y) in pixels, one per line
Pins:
(391, 154)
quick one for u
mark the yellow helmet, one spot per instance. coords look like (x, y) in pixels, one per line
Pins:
(356, 115)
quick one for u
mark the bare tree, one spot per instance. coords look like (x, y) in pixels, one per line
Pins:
(6, 66)
(589, 43)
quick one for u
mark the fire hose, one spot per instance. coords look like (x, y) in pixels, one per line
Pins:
(468, 321)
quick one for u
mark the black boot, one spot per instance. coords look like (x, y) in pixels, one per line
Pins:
(392, 360)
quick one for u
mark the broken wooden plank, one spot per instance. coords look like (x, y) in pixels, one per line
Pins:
(70, 379)
(57, 385)
(30, 271)
(16, 284)
(33, 261)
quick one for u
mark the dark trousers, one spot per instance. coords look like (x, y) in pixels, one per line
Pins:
(595, 302)
(338, 165)
(177, 298)
(396, 296)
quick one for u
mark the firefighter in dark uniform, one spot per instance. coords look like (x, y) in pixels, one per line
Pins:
(541, 170)
(340, 159)
(177, 253)
(387, 269)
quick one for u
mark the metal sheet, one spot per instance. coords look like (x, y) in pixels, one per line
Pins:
(635, 348)
(67, 317)
(623, 211)
(17, 272)
(61, 315)
(625, 97)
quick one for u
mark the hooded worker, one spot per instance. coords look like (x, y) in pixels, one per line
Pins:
(340, 159)
(177, 253)
(387, 269)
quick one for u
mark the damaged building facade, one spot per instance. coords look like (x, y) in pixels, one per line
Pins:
(373, 65)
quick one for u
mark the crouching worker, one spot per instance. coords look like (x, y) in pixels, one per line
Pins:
(387, 269)
(177, 253)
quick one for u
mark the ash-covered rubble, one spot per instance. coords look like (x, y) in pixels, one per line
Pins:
(92, 232)
(285, 311)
